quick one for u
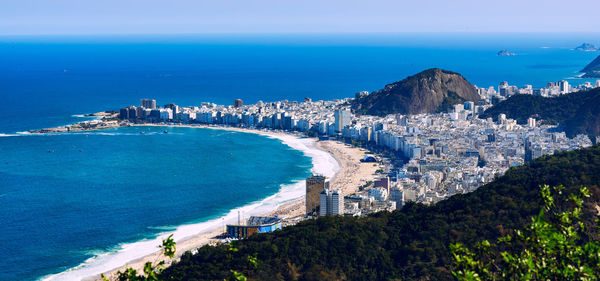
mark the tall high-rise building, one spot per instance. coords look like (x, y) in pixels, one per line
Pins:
(343, 118)
(314, 185)
(531, 122)
(238, 103)
(324, 196)
(148, 103)
(564, 86)
(469, 105)
(140, 112)
(337, 202)
(332, 202)
(132, 112)
(528, 151)
(173, 107)
(127, 113)
(124, 113)
(397, 195)
(383, 182)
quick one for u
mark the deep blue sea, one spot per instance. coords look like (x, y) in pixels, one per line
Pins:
(97, 190)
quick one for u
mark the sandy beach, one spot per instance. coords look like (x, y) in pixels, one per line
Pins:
(336, 160)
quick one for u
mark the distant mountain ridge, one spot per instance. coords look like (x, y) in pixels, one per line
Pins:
(586, 47)
(430, 91)
(576, 113)
(592, 70)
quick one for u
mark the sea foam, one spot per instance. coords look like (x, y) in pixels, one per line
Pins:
(8, 135)
(322, 162)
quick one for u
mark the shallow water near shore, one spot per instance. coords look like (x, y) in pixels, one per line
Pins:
(67, 198)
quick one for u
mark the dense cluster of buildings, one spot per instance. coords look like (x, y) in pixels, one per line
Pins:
(444, 153)
(381, 196)
(552, 89)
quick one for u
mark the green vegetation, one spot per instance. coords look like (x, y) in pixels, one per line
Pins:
(151, 270)
(550, 248)
(168, 246)
(410, 244)
(367, 184)
(577, 113)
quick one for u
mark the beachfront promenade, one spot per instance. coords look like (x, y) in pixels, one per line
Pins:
(338, 161)
(423, 158)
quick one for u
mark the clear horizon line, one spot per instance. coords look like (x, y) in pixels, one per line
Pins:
(290, 33)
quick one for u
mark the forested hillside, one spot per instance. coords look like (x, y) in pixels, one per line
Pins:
(408, 244)
(577, 113)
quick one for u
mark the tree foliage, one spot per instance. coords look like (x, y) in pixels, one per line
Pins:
(151, 269)
(409, 244)
(168, 246)
(551, 247)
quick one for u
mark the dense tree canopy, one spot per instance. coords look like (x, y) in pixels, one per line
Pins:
(551, 247)
(411, 243)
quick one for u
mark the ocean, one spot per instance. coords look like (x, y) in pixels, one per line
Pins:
(70, 198)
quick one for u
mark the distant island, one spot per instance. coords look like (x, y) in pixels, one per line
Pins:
(587, 47)
(433, 90)
(592, 70)
(505, 53)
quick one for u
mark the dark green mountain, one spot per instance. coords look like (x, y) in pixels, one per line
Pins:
(408, 244)
(592, 70)
(433, 90)
(577, 113)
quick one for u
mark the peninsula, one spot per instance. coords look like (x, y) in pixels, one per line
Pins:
(413, 156)
(592, 70)
(424, 138)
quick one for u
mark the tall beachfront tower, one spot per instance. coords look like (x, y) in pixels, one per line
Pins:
(337, 202)
(314, 185)
(238, 103)
(343, 118)
(148, 103)
(332, 202)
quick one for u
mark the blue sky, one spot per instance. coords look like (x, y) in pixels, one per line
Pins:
(299, 16)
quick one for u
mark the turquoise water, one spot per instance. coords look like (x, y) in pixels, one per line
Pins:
(97, 190)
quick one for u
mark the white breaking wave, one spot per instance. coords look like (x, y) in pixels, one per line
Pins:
(9, 135)
(83, 116)
(322, 162)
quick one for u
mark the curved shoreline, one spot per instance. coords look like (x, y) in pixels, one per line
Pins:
(190, 236)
